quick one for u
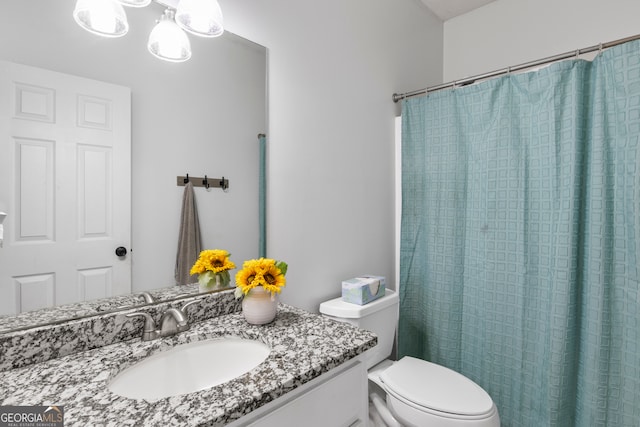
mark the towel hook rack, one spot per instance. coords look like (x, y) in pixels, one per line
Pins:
(205, 182)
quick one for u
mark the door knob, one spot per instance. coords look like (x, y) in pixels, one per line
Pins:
(121, 251)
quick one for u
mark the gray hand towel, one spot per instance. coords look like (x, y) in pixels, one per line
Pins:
(189, 242)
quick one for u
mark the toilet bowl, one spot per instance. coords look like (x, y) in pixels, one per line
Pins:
(421, 393)
(412, 392)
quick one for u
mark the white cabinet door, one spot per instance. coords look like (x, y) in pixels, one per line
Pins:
(65, 183)
(335, 399)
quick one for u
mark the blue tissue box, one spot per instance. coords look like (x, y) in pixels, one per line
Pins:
(363, 289)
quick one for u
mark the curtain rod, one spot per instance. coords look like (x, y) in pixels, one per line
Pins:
(555, 58)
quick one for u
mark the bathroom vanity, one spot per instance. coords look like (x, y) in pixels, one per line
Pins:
(312, 366)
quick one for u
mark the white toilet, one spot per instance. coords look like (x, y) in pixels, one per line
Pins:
(418, 393)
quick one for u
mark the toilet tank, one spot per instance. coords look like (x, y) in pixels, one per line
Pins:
(379, 316)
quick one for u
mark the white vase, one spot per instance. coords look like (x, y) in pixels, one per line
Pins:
(259, 307)
(212, 285)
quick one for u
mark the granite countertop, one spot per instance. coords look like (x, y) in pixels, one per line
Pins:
(66, 312)
(303, 346)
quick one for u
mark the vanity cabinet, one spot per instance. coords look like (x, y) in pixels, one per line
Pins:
(313, 375)
(337, 399)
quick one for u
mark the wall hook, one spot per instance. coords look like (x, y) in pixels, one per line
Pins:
(198, 181)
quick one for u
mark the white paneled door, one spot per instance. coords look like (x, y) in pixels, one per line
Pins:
(65, 183)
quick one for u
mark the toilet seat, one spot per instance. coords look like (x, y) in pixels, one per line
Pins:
(437, 390)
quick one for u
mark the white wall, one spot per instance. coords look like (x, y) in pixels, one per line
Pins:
(511, 32)
(199, 117)
(333, 67)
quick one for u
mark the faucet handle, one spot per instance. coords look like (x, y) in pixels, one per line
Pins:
(149, 332)
(188, 304)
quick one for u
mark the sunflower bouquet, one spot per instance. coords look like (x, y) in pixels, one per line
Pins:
(264, 272)
(212, 268)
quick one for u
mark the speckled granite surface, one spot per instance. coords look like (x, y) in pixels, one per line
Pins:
(73, 311)
(39, 344)
(303, 345)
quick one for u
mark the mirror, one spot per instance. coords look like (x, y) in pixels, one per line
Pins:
(201, 117)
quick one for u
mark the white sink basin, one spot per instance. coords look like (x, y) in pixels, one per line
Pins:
(189, 367)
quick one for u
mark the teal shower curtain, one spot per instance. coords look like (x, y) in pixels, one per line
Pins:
(520, 241)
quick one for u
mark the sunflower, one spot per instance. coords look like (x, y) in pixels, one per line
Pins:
(264, 272)
(214, 260)
(213, 263)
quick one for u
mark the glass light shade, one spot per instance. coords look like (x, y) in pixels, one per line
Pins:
(200, 17)
(167, 41)
(135, 3)
(102, 17)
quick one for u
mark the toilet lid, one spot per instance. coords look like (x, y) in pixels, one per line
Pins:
(432, 386)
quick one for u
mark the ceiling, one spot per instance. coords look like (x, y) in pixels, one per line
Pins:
(447, 9)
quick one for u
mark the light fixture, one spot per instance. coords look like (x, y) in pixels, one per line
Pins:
(168, 41)
(200, 17)
(102, 17)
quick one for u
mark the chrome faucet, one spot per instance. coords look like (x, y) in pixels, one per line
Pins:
(148, 298)
(173, 320)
